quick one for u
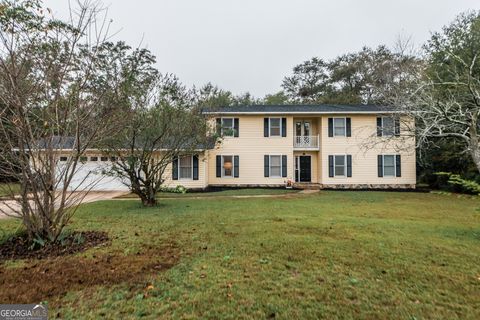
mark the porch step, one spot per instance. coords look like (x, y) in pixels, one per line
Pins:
(307, 186)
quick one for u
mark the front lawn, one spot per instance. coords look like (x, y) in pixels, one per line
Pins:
(220, 193)
(346, 255)
(7, 189)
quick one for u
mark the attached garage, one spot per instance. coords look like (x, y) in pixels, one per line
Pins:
(91, 175)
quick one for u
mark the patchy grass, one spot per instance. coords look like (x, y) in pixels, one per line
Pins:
(6, 189)
(221, 193)
(347, 255)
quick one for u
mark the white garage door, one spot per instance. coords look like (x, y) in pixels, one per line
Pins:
(89, 175)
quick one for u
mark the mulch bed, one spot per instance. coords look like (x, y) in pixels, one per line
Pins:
(19, 247)
(50, 279)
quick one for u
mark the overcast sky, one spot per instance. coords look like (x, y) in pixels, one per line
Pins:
(250, 45)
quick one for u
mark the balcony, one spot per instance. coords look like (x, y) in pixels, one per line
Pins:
(306, 142)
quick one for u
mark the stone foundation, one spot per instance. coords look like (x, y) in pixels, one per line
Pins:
(369, 186)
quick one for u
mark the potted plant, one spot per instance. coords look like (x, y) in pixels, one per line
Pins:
(289, 184)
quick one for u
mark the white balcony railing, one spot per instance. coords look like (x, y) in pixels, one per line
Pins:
(306, 142)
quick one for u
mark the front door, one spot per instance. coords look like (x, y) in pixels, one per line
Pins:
(305, 169)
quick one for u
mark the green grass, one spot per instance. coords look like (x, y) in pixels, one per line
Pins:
(6, 189)
(220, 193)
(332, 255)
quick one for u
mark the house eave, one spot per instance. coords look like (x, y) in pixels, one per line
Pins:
(300, 112)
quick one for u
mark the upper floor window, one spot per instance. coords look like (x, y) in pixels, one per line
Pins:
(388, 126)
(339, 127)
(227, 127)
(275, 127)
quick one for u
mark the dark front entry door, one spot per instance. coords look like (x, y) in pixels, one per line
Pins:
(305, 169)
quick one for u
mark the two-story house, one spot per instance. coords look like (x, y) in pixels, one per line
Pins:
(325, 146)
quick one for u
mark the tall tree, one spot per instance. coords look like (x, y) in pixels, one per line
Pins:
(446, 100)
(309, 82)
(364, 77)
(161, 127)
(45, 68)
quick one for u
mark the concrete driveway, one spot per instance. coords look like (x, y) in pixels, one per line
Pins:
(10, 206)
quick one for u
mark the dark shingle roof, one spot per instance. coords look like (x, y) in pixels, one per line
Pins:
(68, 142)
(55, 142)
(302, 108)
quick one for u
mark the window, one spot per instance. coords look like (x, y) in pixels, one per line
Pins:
(302, 128)
(227, 127)
(275, 127)
(388, 126)
(227, 166)
(339, 127)
(83, 159)
(93, 158)
(339, 165)
(104, 159)
(63, 159)
(185, 167)
(275, 166)
(113, 159)
(389, 166)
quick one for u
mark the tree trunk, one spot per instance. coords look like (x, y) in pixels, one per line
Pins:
(475, 153)
(147, 197)
(149, 202)
(474, 145)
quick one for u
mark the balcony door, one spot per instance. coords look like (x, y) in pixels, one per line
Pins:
(302, 128)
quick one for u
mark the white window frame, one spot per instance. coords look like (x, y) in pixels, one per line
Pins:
(233, 166)
(191, 169)
(270, 127)
(232, 128)
(270, 165)
(344, 128)
(393, 126)
(394, 166)
(344, 166)
(302, 128)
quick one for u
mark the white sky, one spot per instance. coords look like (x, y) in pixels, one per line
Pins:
(250, 45)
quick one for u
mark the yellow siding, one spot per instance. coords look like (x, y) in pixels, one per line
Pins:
(251, 146)
(364, 146)
(189, 183)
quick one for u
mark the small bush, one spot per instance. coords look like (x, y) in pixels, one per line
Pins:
(455, 183)
(177, 189)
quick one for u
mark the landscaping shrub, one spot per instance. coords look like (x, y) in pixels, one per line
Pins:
(455, 183)
(177, 189)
